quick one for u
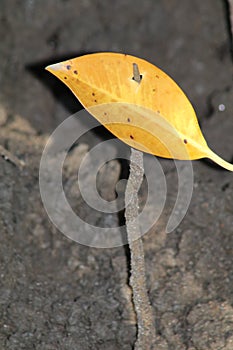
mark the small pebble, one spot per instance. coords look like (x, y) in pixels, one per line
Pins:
(221, 107)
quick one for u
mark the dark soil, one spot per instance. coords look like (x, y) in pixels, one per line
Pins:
(56, 293)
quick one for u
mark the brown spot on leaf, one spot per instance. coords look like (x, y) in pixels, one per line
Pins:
(157, 76)
(185, 141)
(75, 72)
(95, 100)
(65, 78)
(131, 136)
(128, 120)
(93, 94)
(68, 67)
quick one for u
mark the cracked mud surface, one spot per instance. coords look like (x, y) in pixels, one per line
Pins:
(57, 294)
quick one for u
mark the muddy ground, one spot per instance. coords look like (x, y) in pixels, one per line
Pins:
(56, 293)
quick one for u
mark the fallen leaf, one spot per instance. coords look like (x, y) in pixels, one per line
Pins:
(148, 111)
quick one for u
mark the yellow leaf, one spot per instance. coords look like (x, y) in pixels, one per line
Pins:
(152, 114)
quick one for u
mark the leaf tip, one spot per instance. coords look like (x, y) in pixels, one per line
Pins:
(224, 164)
(54, 67)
